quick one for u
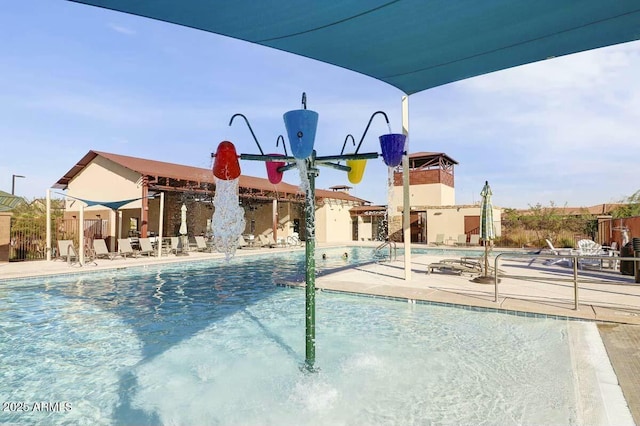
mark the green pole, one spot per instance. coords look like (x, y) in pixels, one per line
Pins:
(310, 269)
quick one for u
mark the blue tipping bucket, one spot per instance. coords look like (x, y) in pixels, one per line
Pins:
(301, 127)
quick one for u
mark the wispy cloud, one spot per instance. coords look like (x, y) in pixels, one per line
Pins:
(120, 29)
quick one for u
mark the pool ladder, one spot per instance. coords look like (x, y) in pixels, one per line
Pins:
(392, 249)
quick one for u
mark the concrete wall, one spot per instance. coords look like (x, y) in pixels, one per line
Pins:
(425, 195)
(333, 222)
(103, 180)
(450, 221)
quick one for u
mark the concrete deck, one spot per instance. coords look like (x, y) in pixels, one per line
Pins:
(526, 287)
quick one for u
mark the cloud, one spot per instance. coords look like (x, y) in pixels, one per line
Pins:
(120, 29)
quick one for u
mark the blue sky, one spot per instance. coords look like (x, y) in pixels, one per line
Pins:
(75, 78)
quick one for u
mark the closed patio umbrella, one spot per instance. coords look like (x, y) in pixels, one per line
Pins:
(183, 225)
(487, 230)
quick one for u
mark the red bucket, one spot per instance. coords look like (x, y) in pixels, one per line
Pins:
(226, 165)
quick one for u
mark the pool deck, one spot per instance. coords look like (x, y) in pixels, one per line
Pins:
(528, 287)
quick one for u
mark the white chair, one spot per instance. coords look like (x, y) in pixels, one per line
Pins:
(590, 248)
(146, 247)
(474, 240)
(462, 240)
(100, 250)
(439, 239)
(559, 252)
(176, 246)
(125, 249)
(201, 243)
(67, 251)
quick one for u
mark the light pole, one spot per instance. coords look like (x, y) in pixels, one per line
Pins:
(13, 183)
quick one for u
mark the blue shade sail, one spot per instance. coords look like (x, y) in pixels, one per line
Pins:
(410, 44)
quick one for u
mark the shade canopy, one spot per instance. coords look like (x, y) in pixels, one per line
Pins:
(411, 44)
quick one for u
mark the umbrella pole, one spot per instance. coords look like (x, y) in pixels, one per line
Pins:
(486, 259)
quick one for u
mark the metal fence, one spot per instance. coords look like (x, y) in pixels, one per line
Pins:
(28, 239)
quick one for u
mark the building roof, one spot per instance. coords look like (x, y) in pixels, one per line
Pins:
(171, 176)
(9, 202)
(431, 155)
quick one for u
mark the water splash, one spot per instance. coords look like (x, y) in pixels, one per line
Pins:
(228, 217)
(310, 204)
(304, 177)
(390, 201)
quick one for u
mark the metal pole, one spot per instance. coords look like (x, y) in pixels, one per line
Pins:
(81, 236)
(406, 194)
(48, 224)
(575, 282)
(310, 270)
(13, 183)
(160, 225)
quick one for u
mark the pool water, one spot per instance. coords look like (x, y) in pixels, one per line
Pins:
(217, 343)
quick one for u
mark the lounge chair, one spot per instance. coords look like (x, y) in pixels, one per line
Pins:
(67, 251)
(439, 239)
(267, 241)
(146, 247)
(474, 240)
(456, 266)
(559, 252)
(176, 246)
(462, 240)
(125, 249)
(100, 250)
(201, 243)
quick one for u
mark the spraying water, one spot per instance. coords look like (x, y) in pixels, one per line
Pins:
(228, 217)
(304, 178)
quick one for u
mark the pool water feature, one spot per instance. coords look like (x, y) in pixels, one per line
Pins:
(218, 343)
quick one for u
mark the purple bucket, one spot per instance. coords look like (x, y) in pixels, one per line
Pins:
(392, 148)
(301, 127)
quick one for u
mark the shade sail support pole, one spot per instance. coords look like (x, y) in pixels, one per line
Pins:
(406, 200)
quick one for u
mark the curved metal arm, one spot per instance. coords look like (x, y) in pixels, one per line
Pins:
(345, 142)
(281, 138)
(367, 128)
(250, 129)
(304, 100)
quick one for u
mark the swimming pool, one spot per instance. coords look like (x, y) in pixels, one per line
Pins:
(218, 343)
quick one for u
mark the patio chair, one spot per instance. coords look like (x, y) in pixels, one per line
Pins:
(454, 266)
(176, 246)
(439, 239)
(67, 251)
(559, 252)
(201, 243)
(267, 241)
(462, 240)
(146, 247)
(100, 250)
(474, 240)
(590, 248)
(125, 249)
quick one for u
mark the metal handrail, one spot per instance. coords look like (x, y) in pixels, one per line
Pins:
(393, 249)
(575, 259)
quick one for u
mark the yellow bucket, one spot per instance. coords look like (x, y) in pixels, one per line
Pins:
(357, 170)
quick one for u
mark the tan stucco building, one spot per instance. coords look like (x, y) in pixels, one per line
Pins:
(102, 180)
(432, 202)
